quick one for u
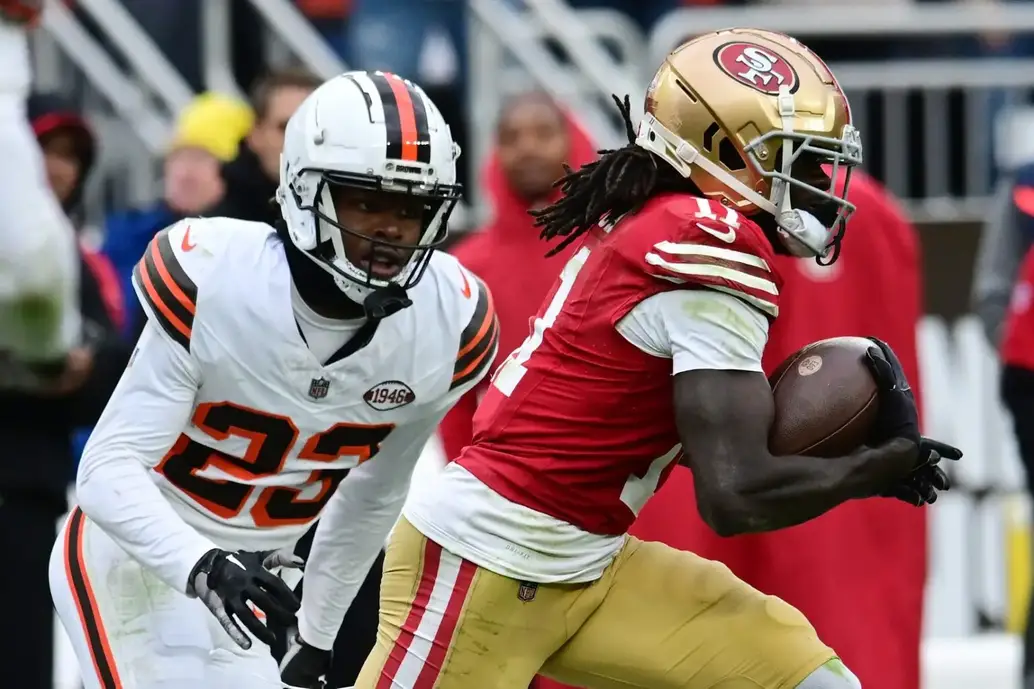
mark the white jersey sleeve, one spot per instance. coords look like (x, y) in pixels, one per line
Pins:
(353, 528)
(698, 329)
(147, 412)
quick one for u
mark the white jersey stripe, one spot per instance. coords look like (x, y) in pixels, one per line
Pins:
(714, 271)
(677, 249)
(763, 305)
(431, 622)
(427, 649)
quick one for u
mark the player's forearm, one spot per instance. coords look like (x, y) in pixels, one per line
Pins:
(794, 489)
(350, 535)
(120, 497)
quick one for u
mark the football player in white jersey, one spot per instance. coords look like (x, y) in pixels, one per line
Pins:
(39, 263)
(284, 374)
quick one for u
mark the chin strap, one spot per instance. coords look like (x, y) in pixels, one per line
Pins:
(386, 301)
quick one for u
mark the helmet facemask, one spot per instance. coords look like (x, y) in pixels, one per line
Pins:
(356, 255)
(811, 210)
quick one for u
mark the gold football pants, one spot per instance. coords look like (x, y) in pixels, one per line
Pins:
(658, 618)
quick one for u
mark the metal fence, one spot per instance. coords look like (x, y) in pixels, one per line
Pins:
(929, 124)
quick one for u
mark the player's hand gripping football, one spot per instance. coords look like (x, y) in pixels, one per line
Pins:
(303, 666)
(899, 419)
(226, 582)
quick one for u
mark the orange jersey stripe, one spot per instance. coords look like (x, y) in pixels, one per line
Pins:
(86, 603)
(173, 286)
(156, 302)
(480, 359)
(479, 341)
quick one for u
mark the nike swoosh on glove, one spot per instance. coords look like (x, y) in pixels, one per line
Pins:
(226, 582)
(303, 666)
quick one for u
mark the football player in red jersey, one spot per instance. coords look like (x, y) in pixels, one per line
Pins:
(648, 353)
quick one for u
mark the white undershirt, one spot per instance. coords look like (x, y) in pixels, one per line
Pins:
(323, 335)
(698, 329)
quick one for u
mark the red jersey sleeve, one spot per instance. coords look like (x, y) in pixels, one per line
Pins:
(696, 243)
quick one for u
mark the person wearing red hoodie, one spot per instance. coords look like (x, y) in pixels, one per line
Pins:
(535, 138)
(858, 572)
(1017, 392)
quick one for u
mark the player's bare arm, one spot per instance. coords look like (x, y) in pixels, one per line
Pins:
(723, 419)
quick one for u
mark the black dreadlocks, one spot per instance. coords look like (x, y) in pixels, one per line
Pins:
(619, 182)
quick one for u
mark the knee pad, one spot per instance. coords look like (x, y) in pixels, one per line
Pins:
(831, 675)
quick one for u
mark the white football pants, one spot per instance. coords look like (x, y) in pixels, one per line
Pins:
(131, 631)
(39, 258)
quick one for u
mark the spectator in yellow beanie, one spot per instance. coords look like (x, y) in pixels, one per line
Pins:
(207, 134)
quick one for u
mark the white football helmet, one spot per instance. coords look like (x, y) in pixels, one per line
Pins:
(377, 132)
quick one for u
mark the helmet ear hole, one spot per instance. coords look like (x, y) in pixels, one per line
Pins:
(729, 156)
(709, 135)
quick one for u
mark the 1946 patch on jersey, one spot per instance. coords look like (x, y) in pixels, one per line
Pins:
(391, 394)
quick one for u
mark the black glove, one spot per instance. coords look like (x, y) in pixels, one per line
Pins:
(897, 414)
(899, 418)
(921, 486)
(303, 666)
(226, 582)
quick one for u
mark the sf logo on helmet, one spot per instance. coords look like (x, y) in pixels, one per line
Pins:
(756, 67)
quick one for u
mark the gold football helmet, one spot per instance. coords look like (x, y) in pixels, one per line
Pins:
(734, 111)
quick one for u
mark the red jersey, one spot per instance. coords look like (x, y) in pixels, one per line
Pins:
(578, 422)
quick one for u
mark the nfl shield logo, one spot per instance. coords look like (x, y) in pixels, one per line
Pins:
(318, 388)
(526, 592)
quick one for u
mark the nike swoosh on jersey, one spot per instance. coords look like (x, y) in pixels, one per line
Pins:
(186, 244)
(466, 285)
(729, 236)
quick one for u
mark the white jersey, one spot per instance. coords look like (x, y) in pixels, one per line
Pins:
(39, 264)
(228, 431)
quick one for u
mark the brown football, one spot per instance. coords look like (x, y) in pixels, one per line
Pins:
(825, 399)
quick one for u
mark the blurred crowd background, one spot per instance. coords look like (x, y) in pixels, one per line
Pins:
(153, 110)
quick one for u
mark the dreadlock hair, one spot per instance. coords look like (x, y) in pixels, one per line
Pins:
(621, 181)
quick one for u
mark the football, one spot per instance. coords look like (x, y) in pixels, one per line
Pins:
(825, 399)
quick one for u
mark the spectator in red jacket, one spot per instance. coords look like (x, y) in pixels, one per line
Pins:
(1017, 389)
(857, 572)
(534, 139)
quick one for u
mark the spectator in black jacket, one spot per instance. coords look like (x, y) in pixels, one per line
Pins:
(36, 426)
(252, 177)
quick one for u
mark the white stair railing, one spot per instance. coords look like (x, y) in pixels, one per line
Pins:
(564, 25)
(846, 20)
(291, 26)
(140, 52)
(127, 99)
